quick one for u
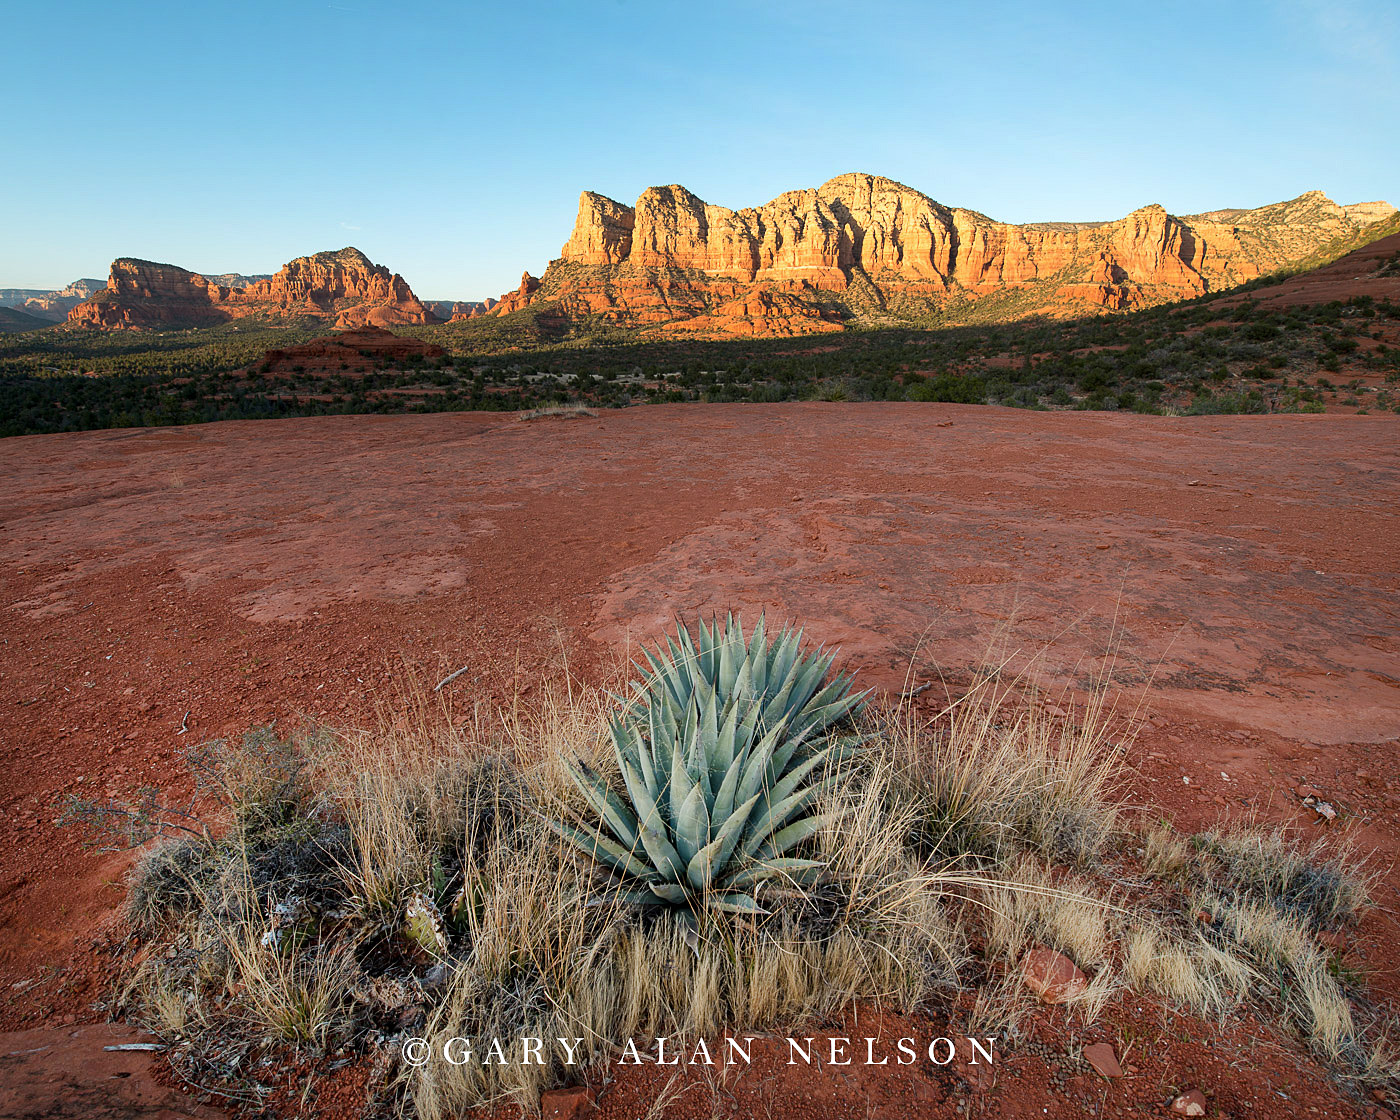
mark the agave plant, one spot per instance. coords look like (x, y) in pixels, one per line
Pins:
(724, 750)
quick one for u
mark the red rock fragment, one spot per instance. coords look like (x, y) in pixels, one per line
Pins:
(1190, 1103)
(1105, 1062)
(1051, 975)
(567, 1104)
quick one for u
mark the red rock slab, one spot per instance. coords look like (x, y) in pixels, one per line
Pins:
(212, 577)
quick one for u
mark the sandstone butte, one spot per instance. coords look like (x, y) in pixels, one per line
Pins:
(343, 286)
(861, 249)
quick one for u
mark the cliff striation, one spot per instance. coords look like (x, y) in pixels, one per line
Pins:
(344, 287)
(865, 249)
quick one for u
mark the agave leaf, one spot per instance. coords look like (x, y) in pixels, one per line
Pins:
(723, 761)
(602, 848)
(783, 655)
(673, 893)
(625, 744)
(637, 897)
(681, 781)
(772, 818)
(707, 659)
(735, 902)
(783, 753)
(756, 765)
(692, 825)
(796, 870)
(604, 802)
(729, 785)
(706, 746)
(715, 855)
(806, 682)
(758, 645)
(789, 837)
(728, 668)
(652, 830)
(743, 688)
(690, 929)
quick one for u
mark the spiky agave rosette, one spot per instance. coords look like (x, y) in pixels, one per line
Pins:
(723, 752)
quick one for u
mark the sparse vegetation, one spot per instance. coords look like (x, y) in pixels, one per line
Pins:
(425, 878)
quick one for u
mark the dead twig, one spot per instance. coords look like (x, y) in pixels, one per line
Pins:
(450, 678)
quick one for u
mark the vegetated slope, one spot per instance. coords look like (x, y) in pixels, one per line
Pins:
(865, 250)
(1370, 272)
(13, 320)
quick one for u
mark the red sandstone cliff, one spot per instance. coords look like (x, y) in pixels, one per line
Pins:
(867, 248)
(343, 286)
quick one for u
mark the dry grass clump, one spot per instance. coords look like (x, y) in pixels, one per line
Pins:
(574, 411)
(1166, 855)
(1319, 884)
(1251, 902)
(996, 775)
(1190, 972)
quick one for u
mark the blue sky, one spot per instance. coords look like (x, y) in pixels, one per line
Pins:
(450, 141)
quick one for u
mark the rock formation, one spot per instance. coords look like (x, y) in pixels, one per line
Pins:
(355, 349)
(861, 248)
(449, 310)
(344, 287)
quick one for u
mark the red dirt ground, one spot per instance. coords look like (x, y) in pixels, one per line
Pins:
(1244, 569)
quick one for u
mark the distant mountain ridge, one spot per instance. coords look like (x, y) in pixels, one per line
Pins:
(343, 286)
(865, 250)
(51, 306)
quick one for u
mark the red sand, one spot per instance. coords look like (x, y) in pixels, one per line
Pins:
(245, 571)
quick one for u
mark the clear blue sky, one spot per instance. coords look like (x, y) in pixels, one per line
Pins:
(450, 141)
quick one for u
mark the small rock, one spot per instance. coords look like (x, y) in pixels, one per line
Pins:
(567, 1104)
(1051, 975)
(1105, 1062)
(1322, 808)
(1190, 1103)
